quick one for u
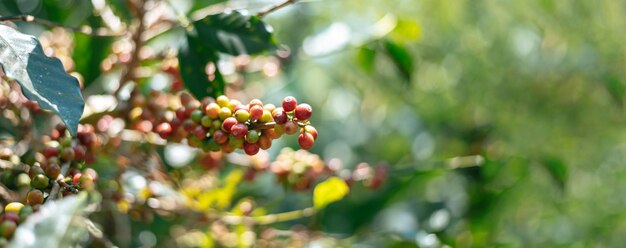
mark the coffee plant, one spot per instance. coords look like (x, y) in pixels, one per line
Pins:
(110, 138)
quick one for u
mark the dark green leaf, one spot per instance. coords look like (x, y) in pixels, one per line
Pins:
(199, 4)
(193, 60)
(234, 33)
(557, 170)
(401, 58)
(365, 57)
(42, 78)
(89, 51)
(54, 225)
(616, 89)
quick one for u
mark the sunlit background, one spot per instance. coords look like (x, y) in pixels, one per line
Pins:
(534, 87)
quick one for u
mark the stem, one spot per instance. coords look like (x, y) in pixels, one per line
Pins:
(56, 186)
(270, 218)
(129, 74)
(83, 30)
(273, 8)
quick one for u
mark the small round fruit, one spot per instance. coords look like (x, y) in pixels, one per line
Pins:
(13, 207)
(206, 121)
(35, 170)
(185, 98)
(291, 127)
(266, 116)
(68, 154)
(272, 133)
(228, 124)
(40, 181)
(252, 136)
(7, 228)
(280, 117)
(250, 148)
(79, 152)
(49, 152)
(239, 130)
(256, 112)
(227, 148)
(269, 107)
(25, 212)
(310, 129)
(222, 101)
(289, 103)
(199, 132)
(235, 142)
(53, 171)
(264, 142)
(10, 216)
(86, 181)
(212, 110)
(196, 115)
(306, 140)
(220, 137)
(76, 178)
(225, 113)
(242, 115)
(256, 102)
(34, 197)
(164, 130)
(188, 125)
(279, 130)
(303, 111)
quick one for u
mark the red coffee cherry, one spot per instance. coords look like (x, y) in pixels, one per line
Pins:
(289, 103)
(251, 148)
(303, 111)
(306, 140)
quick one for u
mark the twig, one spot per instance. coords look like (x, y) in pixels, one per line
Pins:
(129, 74)
(268, 219)
(96, 233)
(56, 186)
(273, 8)
(84, 29)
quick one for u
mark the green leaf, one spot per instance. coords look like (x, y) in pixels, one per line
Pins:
(329, 191)
(616, 88)
(557, 170)
(234, 33)
(365, 57)
(42, 78)
(89, 52)
(401, 58)
(199, 4)
(193, 60)
(54, 225)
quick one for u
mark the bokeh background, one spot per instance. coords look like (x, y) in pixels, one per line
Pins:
(530, 92)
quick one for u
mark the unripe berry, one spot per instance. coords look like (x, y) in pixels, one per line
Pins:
(196, 115)
(7, 228)
(34, 171)
(266, 116)
(13, 207)
(225, 113)
(306, 140)
(206, 121)
(252, 136)
(206, 101)
(235, 142)
(67, 154)
(310, 129)
(65, 142)
(193, 141)
(222, 101)
(86, 182)
(34, 197)
(291, 127)
(228, 124)
(264, 142)
(91, 172)
(212, 110)
(164, 130)
(280, 117)
(239, 130)
(279, 130)
(289, 103)
(53, 171)
(233, 104)
(303, 111)
(25, 212)
(220, 137)
(188, 125)
(256, 112)
(210, 145)
(269, 107)
(242, 115)
(250, 148)
(272, 133)
(39, 181)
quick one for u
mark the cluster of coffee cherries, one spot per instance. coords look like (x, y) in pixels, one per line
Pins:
(299, 169)
(14, 214)
(372, 177)
(227, 124)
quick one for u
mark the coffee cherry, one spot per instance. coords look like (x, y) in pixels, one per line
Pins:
(25, 212)
(310, 129)
(291, 127)
(264, 142)
(220, 137)
(76, 178)
(53, 171)
(242, 115)
(289, 103)
(34, 197)
(86, 182)
(227, 148)
(40, 181)
(272, 133)
(67, 154)
(185, 98)
(164, 130)
(79, 152)
(306, 140)
(256, 112)
(188, 125)
(252, 136)
(7, 228)
(206, 121)
(256, 102)
(235, 142)
(212, 110)
(10, 216)
(233, 104)
(49, 152)
(241, 107)
(280, 117)
(222, 101)
(13, 207)
(225, 113)
(228, 124)
(65, 142)
(210, 145)
(196, 115)
(181, 113)
(278, 130)
(35, 170)
(251, 148)
(303, 111)
(199, 132)
(266, 116)
(269, 107)
(239, 130)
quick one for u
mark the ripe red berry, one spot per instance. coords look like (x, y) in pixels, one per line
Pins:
(228, 124)
(79, 152)
(280, 117)
(181, 113)
(306, 140)
(164, 130)
(34, 197)
(289, 103)
(53, 171)
(185, 98)
(264, 142)
(199, 132)
(76, 178)
(291, 127)
(67, 154)
(251, 148)
(239, 130)
(220, 137)
(303, 111)
(49, 152)
(256, 112)
(310, 129)
(188, 125)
